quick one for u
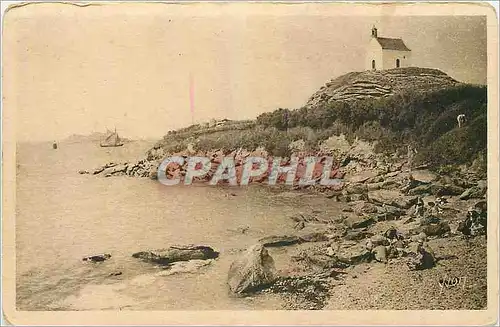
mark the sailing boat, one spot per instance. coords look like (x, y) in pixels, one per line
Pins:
(112, 140)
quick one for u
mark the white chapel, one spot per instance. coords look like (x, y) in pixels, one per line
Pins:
(386, 53)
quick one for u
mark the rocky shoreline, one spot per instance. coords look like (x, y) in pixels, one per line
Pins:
(391, 215)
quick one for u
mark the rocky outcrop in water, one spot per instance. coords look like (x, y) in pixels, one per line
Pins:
(177, 253)
(183, 267)
(281, 240)
(97, 257)
(149, 168)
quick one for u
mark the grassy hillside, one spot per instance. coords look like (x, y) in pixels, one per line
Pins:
(411, 117)
(419, 108)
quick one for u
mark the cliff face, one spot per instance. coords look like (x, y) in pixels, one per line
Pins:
(378, 84)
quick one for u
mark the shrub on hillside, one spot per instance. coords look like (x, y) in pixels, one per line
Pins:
(414, 117)
(458, 146)
(425, 119)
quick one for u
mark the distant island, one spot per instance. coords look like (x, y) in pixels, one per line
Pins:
(95, 137)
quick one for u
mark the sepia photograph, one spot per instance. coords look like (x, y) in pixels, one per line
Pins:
(174, 157)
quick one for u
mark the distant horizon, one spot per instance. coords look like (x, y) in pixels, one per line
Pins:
(154, 138)
(88, 136)
(151, 138)
(82, 69)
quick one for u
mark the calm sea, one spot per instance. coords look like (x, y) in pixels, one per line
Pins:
(63, 216)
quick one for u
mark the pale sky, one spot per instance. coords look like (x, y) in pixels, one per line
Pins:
(75, 70)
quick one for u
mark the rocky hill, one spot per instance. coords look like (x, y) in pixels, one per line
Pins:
(380, 83)
(389, 110)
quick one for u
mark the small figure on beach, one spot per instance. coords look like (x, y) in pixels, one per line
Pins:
(54, 145)
(461, 120)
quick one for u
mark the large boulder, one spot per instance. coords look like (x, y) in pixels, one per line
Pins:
(378, 239)
(413, 186)
(421, 257)
(361, 177)
(365, 208)
(252, 271)
(374, 186)
(318, 233)
(357, 234)
(420, 190)
(424, 176)
(438, 229)
(177, 253)
(388, 212)
(475, 192)
(356, 188)
(354, 254)
(403, 202)
(384, 196)
(393, 234)
(280, 240)
(358, 197)
(447, 189)
(375, 180)
(476, 221)
(380, 253)
(358, 222)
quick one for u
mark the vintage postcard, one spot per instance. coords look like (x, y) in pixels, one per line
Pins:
(258, 163)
